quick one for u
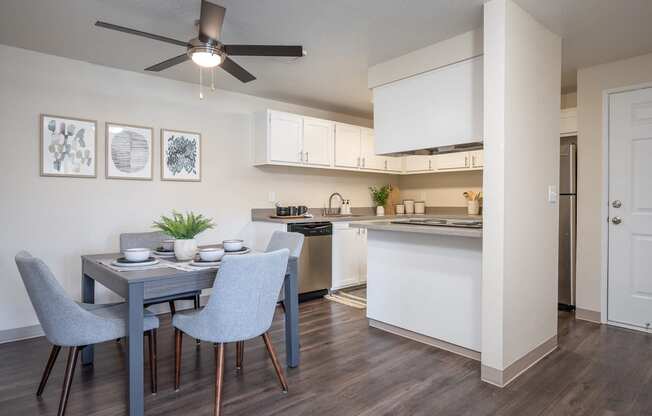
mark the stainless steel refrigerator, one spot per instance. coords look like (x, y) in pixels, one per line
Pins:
(567, 222)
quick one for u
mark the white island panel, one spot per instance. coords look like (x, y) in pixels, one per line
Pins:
(428, 284)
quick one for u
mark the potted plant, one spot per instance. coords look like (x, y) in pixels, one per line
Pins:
(184, 229)
(380, 196)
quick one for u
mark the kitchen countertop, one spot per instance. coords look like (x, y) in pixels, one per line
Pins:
(420, 229)
(365, 214)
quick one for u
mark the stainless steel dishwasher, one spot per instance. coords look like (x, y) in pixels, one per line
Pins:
(315, 262)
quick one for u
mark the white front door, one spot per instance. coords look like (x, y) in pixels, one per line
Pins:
(630, 208)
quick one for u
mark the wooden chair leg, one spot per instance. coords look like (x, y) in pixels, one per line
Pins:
(239, 354)
(277, 367)
(173, 309)
(219, 378)
(151, 338)
(54, 353)
(177, 358)
(73, 353)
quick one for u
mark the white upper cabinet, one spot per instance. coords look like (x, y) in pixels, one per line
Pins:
(416, 163)
(347, 146)
(394, 164)
(317, 141)
(368, 152)
(285, 137)
(568, 122)
(438, 108)
(451, 161)
(477, 159)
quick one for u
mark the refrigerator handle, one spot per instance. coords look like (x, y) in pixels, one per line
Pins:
(573, 246)
(572, 153)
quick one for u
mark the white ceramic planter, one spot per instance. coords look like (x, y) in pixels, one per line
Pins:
(380, 211)
(473, 207)
(185, 249)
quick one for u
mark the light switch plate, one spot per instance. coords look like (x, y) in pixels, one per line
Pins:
(552, 194)
(271, 197)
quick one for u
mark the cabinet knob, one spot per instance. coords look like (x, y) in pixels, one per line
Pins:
(616, 220)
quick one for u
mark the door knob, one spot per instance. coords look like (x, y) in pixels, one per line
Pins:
(616, 220)
(616, 204)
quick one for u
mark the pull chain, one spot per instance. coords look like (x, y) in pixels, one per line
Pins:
(213, 79)
(201, 89)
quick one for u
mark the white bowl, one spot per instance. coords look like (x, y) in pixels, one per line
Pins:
(167, 245)
(137, 254)
(232, 245)
(211, 254)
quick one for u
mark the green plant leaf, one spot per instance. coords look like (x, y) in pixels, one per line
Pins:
(183, 227)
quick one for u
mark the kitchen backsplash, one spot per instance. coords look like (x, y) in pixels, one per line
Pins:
(440, 189)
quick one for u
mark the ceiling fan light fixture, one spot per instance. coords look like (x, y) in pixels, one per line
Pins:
(206, 57)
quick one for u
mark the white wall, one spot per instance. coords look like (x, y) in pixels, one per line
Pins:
(60, 218)
(440, 189)
(522, 101)
(591, 82)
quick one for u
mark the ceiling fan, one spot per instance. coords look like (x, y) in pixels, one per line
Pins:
(206, 50)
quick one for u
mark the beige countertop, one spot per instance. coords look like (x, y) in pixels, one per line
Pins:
(420, 229)
(363, 214)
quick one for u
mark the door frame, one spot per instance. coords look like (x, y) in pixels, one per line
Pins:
(604, 304)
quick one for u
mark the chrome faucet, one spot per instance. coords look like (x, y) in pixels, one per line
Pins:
(330, 202)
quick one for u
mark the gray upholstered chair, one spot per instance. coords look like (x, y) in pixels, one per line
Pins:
(67, 323)
(241, 307)
(279, 240)
(152, 240)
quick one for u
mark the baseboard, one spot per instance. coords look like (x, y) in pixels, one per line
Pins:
(588, 315)
(502, 378)
(424, 339)
(34, 331)
(16, 334)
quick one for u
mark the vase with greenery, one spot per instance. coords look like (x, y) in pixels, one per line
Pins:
(380, 196)
(184, 229)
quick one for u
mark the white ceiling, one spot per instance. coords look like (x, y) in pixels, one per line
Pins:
(342, 37)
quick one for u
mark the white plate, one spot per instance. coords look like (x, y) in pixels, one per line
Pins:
(230, 253)
(135, 264)
(205, 263)
(164, 253)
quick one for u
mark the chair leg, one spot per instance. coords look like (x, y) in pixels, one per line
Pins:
(197, 306)
(277, 367)
(153, 370)
(73, 353)
(239, 354)
(219, 378)
(173, 309)
(54, 353)
(177, 358)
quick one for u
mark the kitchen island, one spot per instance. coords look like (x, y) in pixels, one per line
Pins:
(424, 283)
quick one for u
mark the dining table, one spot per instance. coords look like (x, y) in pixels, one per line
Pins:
(144, 285)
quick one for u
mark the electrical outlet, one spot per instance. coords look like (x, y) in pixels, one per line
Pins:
(552, 194)
(271, 196)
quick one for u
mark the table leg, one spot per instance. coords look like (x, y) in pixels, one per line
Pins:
(88, 296)
(291, 301)
(135, 357)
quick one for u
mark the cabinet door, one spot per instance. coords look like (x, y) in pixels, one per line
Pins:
(317, 141)
(477, 159)
(346, 259)
(362, 255)
(394, 164)
(370, 160)
(451, 161)
(418, 163)
(285, 137)
(347, 146)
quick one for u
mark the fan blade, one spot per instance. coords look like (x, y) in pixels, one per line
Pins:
(168, 63)
(140, 33)
(236, 70)
(263, 50)
(210, 21)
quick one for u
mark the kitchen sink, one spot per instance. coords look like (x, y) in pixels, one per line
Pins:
(342, 215)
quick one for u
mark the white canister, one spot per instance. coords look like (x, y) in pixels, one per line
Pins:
(185, 249)
(400, 209)
(409, 206)
(473, 207)
(380, 211)
(419, 207)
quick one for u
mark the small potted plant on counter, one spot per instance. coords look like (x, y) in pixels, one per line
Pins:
(184, 229)
(380, 196)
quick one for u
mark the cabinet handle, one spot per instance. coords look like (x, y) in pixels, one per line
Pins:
(364, 160)
(429, 164)
(385, 165)
(473, 161)
(307, 157)
(300, 156)
(466, 161)
(358, 162)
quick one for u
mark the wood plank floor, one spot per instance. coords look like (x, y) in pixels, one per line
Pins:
(349, 369)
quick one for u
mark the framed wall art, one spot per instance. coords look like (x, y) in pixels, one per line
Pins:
(68, 147)
(180, 155)
(129, 151)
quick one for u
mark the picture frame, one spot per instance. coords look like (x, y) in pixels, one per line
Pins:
(129, 151)
(67, 146)
(181, 158)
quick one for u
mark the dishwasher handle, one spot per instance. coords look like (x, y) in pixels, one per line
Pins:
(312, 228)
